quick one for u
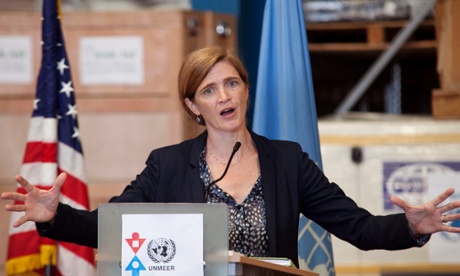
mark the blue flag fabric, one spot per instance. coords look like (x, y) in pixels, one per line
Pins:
(285, 109)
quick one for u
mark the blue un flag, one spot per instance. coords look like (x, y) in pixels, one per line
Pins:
(285, 109)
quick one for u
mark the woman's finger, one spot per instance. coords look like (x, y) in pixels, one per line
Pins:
(24, 183)
(15, 208)
(450, 206)
(399, 202)
(442, 196)
(20, 221)
(451, 229)
(7, 195)
(13, 196)
(59, 181)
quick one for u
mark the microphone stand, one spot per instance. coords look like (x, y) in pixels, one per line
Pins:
(236, 147)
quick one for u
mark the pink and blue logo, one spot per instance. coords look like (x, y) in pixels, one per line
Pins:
(135, 266)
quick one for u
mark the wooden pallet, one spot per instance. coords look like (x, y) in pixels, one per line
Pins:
(445, 104)
(366, 36)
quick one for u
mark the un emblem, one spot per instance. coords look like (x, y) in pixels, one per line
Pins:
(161, 250)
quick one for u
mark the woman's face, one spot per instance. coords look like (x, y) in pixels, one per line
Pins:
(221, 99)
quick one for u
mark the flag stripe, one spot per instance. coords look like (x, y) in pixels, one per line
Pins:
(40, 152)
(79, 266)
(27, 227)
(39, 173)
(75, 249)
(42, 129)
(72, 162)
(27, 240)
(75, 204)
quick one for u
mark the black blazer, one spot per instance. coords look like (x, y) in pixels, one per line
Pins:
(292, 184)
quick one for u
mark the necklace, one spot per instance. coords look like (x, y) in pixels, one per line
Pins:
(222, 162)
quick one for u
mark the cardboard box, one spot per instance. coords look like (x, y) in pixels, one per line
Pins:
(374, 156)
(446, 100)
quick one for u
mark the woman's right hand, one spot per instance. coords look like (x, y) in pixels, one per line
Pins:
(39, 205)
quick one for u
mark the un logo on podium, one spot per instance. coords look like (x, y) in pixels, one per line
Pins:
(161, 250)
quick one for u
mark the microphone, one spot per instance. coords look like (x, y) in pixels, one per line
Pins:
(236, 147)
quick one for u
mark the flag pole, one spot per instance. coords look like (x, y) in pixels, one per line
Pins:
(49, 268)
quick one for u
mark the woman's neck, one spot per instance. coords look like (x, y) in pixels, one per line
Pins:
(220, 148)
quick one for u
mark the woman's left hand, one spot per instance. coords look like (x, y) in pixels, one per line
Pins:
(429, 218)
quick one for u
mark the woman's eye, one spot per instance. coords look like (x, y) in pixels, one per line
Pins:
(207, 91)
(232, 83)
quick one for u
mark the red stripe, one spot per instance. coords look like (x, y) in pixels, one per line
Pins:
(46, 241)
(26, 243)
(40, 152)
(86, 253)
(23, 244)
(75, 190)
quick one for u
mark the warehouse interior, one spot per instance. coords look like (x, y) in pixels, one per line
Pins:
(386, 81)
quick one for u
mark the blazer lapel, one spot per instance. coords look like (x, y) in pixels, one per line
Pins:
(193, 175)
(267, 170)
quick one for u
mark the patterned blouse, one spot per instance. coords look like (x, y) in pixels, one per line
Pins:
(246, 223)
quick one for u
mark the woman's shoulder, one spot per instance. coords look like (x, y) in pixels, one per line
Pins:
(283, 145)
(186, 147)
(179, 147)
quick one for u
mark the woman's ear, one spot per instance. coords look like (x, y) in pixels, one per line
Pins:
(191, 106)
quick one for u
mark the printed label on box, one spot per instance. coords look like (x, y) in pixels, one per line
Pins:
(409, 180)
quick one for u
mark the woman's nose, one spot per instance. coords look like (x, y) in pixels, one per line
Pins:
(223, 95)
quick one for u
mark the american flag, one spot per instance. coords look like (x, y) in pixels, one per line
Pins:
(53, 146)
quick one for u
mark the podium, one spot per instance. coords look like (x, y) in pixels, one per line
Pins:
(241, 265)
(216, 257)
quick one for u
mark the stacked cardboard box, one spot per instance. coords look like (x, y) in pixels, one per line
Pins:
(446, 100)
(374, 156)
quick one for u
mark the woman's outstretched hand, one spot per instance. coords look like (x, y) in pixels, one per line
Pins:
(39, 205)
(431, 217)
